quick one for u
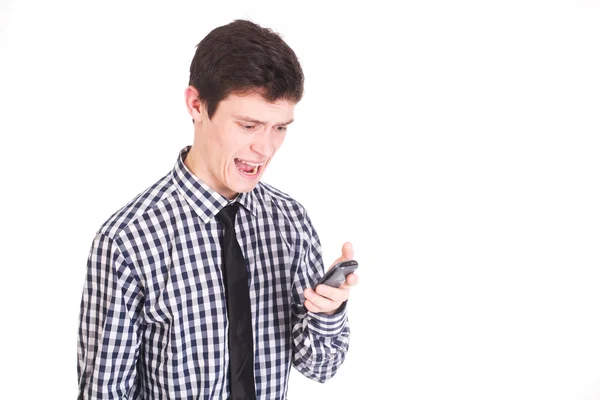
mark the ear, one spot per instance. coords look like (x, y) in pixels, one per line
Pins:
(194, 106)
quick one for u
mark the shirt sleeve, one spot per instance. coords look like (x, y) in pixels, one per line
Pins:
(320, 340)
(109, 324)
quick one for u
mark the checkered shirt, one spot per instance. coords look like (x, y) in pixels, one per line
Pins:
(153, 318)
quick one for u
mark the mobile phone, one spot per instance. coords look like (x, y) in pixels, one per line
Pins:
(337, 274)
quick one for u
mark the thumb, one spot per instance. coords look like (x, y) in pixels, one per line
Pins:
(347, 252)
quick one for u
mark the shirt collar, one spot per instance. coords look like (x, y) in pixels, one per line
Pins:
(205, 201)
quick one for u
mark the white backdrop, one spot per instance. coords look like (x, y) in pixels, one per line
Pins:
(457, 146)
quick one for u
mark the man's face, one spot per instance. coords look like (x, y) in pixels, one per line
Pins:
(235, 146)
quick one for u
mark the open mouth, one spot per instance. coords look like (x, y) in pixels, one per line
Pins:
(248, 168)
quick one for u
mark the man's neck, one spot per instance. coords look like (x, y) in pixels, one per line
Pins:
(204, 175)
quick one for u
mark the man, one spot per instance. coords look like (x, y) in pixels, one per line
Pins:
(200, 287)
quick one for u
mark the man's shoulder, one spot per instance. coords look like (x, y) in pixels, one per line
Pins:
(268, 194)
(278, 203)
(149, 201)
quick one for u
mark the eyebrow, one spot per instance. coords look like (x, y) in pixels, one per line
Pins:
(255, 121)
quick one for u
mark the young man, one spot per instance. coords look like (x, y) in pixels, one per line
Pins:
(200, 287)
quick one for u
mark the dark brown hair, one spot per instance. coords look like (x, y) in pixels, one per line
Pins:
(243, 56)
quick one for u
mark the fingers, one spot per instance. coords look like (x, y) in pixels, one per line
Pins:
(318, 302)
(351, 280)
(318, 299)
(310, 306)
(327, 299)
(338, 295)
(319, 305)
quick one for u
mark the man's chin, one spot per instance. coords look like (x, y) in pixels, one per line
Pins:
(242, 187)
(248, 187)
(243, 184)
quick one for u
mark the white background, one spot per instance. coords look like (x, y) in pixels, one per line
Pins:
(456, 144)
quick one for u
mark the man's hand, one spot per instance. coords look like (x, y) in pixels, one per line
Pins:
(327, 299)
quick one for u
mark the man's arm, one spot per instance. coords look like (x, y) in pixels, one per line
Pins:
(109, 323)
(320, 340)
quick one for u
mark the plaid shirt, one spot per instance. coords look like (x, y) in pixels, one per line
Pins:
(153, 319)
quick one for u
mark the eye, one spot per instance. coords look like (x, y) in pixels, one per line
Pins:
(281, 128)
(248, 127)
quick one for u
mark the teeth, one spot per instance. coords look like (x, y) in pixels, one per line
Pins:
(255, 166)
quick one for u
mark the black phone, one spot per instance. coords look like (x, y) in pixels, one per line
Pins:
(337, 274)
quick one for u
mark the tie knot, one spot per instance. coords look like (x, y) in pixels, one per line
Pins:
(227, 214)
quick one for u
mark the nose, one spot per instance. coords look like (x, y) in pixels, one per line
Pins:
(263, 144)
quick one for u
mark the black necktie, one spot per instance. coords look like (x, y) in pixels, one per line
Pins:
(241, 352)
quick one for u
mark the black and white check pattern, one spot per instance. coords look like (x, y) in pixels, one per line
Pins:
(153, 320)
